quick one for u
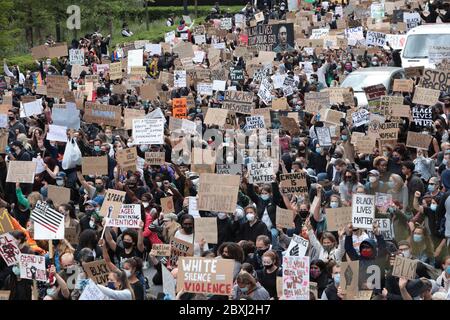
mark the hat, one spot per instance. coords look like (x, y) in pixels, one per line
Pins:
(16, 144)
(170, 217)
(98, 218)
(374, 172)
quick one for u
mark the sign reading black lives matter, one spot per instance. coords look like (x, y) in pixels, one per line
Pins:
(422, 116)
(272, 37)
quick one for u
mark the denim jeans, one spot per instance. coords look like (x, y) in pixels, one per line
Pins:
(275, 242)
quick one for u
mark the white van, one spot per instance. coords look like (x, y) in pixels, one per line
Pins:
(419, 39)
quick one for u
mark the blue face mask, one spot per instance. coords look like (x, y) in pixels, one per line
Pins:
(244, 289)
(265, 197)
(111, 285)
(430, 188)
(97, 148)
(447, 270)
(318, 150)
(391, 210)
(334, 204)
(16, 270)
(417, 237)
(433, 206)
(337, 279)
(344, 137)
(391, 184)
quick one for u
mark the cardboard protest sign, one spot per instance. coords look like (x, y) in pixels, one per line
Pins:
(218, 192)
(425, 96)
(260, 172)
(360, 117)
(404, 267)
(160, 250)
(363, 211)
(236, 74)
(403, 85)
(155, 158)
(167, 205)
(293, 183)
(97, 271)
(103, 114)
(265, 91)
(3, 140)
(59, 195)
(332, 116)
(386, 228)
(126, 158)
(130, 114)
(273, 37)
(422, 116)
(57, 50)
(215, 116)
(295, 278)
(112, 203)
(290, 124)
(32, 267)
(129, 217)
(284, 217)
(56, 85)
(229, 169)
(91, 292)
(148, 131)
(324, 136)
(418, 140)
(314, 101)
(94, 165)
(238, 101)
(297, 247)
(39, 52)
(338, 218)
(4, 295)
(280, 104)
(366, 144)
(205, 275)
(374, 92)
(411, 72)
(436, 79)
(115, 71)
(5, 222)
(21, 171)
(349, 278)
(9, 250)
(179, 248)
(401, 111)
(205, 228)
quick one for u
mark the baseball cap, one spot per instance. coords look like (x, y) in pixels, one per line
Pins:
(374, 172)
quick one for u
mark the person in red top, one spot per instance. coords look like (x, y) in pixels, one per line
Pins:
(151, 214)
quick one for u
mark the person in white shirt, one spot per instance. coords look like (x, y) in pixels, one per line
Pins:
(187, 234)
(118, 287)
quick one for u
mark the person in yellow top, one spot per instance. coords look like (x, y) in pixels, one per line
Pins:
(153, 67)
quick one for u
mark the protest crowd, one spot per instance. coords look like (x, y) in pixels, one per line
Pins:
(230, 160)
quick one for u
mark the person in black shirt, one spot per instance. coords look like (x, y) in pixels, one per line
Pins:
(132, 241)
(130, 267)
(268, 275)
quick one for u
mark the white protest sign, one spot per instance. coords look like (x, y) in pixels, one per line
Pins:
(396, 41)
(374, 38)
(169, 282)
(363, 211)
(297, 247)
(265, 91)
(33, 108)
(324, 136)
(219, 85)
(148, 131)
(319, 33)
(135, 59)
(219, 46)
(32, 267)
(360, 117)
(254, 122)
(200, 38)
(179, 78)
(296, 278)
(193, 211)
(9, 250)
(57, 133)
(92, 292)
(205, 88)
(76, 56)
(260, 172)
(412, 19)
(169, 37)
(129, 217)
(66, 116)
(153, 48)
(199, 56)
(438, 53)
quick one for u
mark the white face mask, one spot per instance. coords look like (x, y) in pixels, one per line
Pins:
(92, 224)
(60, 182)
(250, 217)
(222, 215)
(130, 144)
(128, 273)
(145, 204)
(372, 179)
(406, 253)
(159, 184)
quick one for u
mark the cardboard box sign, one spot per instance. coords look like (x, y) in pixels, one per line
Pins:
(338, 218)
(205, 228)
(179, 248)
(218, 192)
(97, 271)
(204, 275)
(94, 166)
(403, 85)
(161, 250)
(21, 171)
(404, 267)
(5, 222)
(155, 158)
(103, 114)
(418, 140)
(127, 158)
(59, 195)
(293, 183)
(284, 217)
(112, 203)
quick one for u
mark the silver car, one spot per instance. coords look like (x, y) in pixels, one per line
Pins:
(371, 76)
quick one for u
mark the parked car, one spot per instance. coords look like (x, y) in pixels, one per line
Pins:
(371, 76)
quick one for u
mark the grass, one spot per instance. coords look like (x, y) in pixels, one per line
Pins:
(157, 29)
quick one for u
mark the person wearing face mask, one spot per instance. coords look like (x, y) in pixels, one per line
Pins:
(246, 285)
(444, 279)
(318, 274)
(396, 187)
(395, 162)
(118, 287)
(421, 245)
(317, 159)
(333, 290)
(445, 165)
(252, 228)
(20, 289)
(266, 205)
(70, 219)
(14, 126)
(267, 277)
(58, 290)
(224, 229)
(413, 182)
(374, 185)
(424, 166)
(90, 207)
(186, 233)
(349, 185)
(132, 244)
(231, 250)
